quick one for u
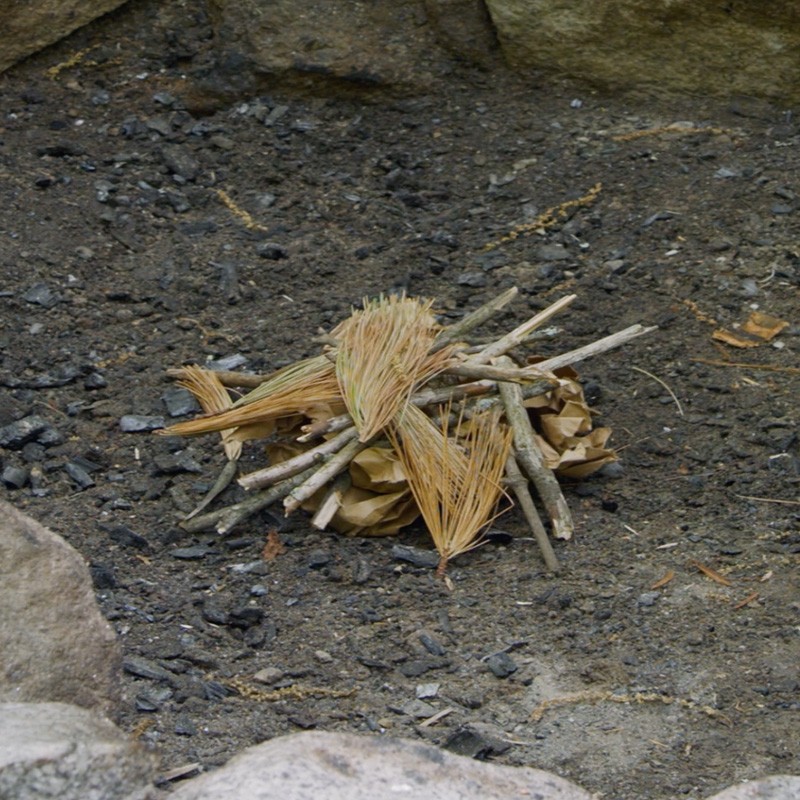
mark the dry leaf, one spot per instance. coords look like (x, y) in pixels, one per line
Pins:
(759, 328)
(273, 547)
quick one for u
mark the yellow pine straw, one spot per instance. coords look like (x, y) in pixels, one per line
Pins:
(383, 355)
(213, 397)
(285, 393)
(455, 478)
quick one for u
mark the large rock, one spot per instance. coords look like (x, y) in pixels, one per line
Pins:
(54, 750)
(345, 45)
(776, 787)
(54, 643)
(28, 27)
(704, 46)
(343, 766)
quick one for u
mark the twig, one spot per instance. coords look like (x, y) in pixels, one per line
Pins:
(519, 485)
(519, 334)
(456, 331)
(482, 372)
(332, 502)
(768, 499)
(223, 481)
(306, 459)
(530, 458)
(768, 367)
(659, 381)
(329, 470)
(226, 519)
(431, 397)
(594, 348)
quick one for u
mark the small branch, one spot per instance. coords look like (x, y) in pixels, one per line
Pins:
(306, 459)
(455, 332)
(432, 397)
(659, 381)
(337, 463)
(226, 519)
(223, 481)
(482, 372)
(519, 334)
(519, 485)
(594, 348)
(530, 458)
(332, 502)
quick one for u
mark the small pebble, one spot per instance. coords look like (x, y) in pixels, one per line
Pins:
(137, 423)
(647, 599)
(501, 665)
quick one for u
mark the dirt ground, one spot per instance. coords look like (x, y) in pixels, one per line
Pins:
(119, 260)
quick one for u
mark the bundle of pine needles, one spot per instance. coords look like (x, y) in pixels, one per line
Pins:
(388, 372)
(454, 475)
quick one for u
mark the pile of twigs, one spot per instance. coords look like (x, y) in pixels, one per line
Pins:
(450, 414)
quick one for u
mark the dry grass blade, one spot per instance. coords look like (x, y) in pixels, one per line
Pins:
(213, 398)
(455, 479)
(383, 354)
(285, 393)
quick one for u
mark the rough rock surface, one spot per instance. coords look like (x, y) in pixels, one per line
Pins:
(348, 767)
(61, 751)
(396, 44)
(776, 787)
(687, 45)
(30, 26)
(54, 643)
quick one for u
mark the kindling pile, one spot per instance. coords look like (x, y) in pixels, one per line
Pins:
(398, 417)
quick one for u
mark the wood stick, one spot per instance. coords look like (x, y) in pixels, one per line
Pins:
(472, 371)
(332, 502)
(300, 462)
(456, 331)
(431, 397)
(510, 340)
(593, 348)
(530, 458)
(336, 464)
(519, 485)
(223, 481)
(226, 519)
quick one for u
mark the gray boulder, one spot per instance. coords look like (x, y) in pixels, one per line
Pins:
(30, 26)
(54, 643)
(776, 787)
(320, 45)
(54, 750)
(698, 46)
(342, 766)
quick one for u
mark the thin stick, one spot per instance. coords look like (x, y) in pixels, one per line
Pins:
(431, 397)
(530, 458)
(768, 367)
(768, 500)
(455, 332)
(332, 502)
(226, 519)
(306, 459)
(480, 372)
(594, 348)
(659, 381)
(519, 485)
(510, 340)
(337, 463)
(223, 481)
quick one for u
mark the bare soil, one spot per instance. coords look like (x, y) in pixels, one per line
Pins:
(119, 260)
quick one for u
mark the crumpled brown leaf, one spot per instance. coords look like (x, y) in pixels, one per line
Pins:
(563, 422)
